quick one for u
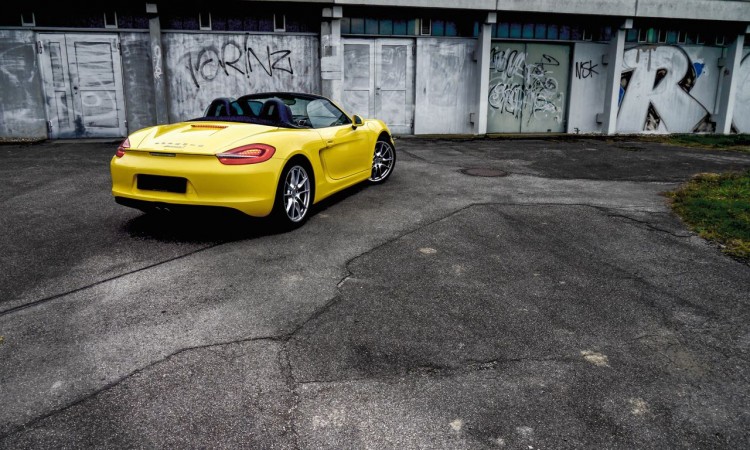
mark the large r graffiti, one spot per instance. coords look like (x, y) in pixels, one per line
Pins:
(741, 117)
(655, 91)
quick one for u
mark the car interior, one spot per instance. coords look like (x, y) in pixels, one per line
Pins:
(286, 111)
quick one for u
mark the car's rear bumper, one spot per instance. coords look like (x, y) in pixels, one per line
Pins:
(248, 188)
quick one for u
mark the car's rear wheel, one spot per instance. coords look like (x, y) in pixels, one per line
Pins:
(294, 195)
(383, 161)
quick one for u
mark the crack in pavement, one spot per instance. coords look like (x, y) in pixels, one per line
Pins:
(292, 384)
(651, 226)
(112, 278)
(284, 338)
(218, 244)
(280, 338)
(127, 376)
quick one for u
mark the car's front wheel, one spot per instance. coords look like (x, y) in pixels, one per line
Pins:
(294, 195)
(383, 161)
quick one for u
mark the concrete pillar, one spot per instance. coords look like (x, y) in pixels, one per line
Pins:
(728, 87)
(483, 56)
(331, 54)
(608, 118)
(157, 64)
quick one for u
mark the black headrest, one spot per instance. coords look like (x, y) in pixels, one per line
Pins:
(276, 111)
(219, 107)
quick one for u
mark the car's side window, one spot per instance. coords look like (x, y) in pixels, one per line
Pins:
(323, 113)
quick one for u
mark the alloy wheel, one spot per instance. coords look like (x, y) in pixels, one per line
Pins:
(296, 193)
(382, 161)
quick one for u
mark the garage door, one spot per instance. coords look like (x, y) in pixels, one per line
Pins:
(528, 88)
(82, 85)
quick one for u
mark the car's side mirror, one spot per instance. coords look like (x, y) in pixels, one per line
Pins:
(358, 121)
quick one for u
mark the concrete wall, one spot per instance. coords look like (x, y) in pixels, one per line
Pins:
(730, 10)
(598, 7)
(22, 112)
(202, 66)
(446, 86)
(137, 80)
(587, 85)
(742, 99)
(668, 89)
(460, 4)
(695, 9)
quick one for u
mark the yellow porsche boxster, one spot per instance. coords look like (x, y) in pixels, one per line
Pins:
(263, 154)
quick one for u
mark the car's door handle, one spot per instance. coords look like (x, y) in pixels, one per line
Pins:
(329, 143)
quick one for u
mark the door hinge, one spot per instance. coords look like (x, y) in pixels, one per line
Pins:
(49, 126)
(39, 47)
(119, 50)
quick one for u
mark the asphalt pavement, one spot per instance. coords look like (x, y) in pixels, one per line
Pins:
(559, 304)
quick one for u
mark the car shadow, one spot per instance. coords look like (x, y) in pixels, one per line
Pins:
(197, 226)
(207, 225)
(338, 198)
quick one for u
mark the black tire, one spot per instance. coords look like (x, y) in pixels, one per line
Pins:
(383, 160)
(295, 194)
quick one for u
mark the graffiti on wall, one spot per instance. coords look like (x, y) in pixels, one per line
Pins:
(586, 69)
(658, 91)
(588, 79)
(235, 59)
(156, 61)
(520, 85)
(741, 117)
(201, 67)
(528, 86)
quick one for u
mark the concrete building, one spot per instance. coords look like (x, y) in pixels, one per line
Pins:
(424, 66)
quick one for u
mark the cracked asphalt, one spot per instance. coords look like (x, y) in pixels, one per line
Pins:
(561, 306)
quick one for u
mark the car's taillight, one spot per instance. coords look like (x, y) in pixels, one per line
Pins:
(121, 149)
(247, 154)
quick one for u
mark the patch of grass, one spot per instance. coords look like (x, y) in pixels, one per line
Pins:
(717, 207)
(737, 142)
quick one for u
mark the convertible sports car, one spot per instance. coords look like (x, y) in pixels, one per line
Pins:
(263, 154)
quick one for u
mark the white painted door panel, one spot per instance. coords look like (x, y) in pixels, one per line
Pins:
(394, 84)
(53, 59)
(359, 82)
(83, 85)
(379, 81)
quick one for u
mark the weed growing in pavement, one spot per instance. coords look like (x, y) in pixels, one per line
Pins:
(717, 207)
